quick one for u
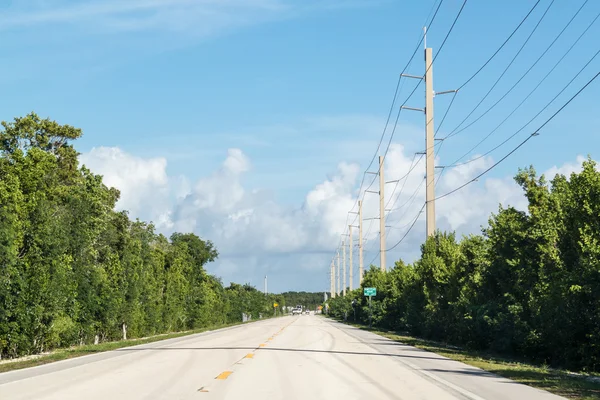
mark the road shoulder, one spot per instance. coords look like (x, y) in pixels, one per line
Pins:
(459, 373)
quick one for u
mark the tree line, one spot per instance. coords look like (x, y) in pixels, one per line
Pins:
(75, 271)
(527, 287)
(310, 300)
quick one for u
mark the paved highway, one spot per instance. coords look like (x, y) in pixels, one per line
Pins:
(300, 357)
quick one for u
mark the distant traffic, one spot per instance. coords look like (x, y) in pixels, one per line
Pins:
(298, 310)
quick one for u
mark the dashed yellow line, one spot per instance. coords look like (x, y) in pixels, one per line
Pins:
(224, 375)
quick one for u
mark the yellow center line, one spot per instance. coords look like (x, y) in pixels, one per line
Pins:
(261, 345)
(249, 355)
(224, 375)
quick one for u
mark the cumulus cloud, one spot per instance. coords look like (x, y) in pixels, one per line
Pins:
(255, 235)
(135, 177)
(145, 187)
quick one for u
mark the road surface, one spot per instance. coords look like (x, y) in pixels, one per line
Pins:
(297, 357)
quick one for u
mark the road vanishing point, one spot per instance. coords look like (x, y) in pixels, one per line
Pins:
(302, 357)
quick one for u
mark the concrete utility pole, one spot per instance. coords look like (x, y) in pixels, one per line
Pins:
(429, 136)
(429, 144)
(381, 215)
(338, 273)
(350, 246)
(332, 276)
(344, 253)
(360, 243)
(266, 292)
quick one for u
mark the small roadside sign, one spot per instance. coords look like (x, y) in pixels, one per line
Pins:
(275, 304)
(370, 292)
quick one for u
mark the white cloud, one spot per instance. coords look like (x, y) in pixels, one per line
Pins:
(566, 169)
(133, 14)
(200, 17)
(256, 236)
(144, 185)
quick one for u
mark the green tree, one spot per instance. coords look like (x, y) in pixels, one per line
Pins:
(74, 271)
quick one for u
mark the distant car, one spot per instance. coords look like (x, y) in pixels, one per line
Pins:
(296, 311)
(307, 312)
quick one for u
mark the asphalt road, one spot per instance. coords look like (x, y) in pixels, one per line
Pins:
(301, 357)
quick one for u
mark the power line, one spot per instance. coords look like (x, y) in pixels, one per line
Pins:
(411, 200)
(374, 258)
(456, 164)
(409, 229)
(528, 122)
(412, 197)
(456, 132)
(396, 96)
(396, 121)
(417, 85)
(403, 183)
(476, 73)
(449, 32)
(501, 46)
(413, 91)
(446, 113)
(408, 203)
(390, 113)
(535, 133)
(409, 96)
(374, 242)
(442, 141)
(453, 132)
(481, 68)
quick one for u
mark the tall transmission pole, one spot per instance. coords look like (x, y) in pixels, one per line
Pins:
(350, 246)
(266, 292)
(360, 243)
(429, 136)
(338, 273)
(332, 278)
(344, 254)
(360, 247)
(429, 143)
(381, 215)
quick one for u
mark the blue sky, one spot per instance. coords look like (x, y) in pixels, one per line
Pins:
(297, 86)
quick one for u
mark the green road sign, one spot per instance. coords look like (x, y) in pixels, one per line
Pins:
(370, 291)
